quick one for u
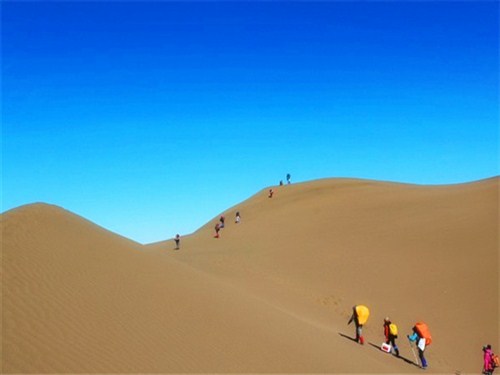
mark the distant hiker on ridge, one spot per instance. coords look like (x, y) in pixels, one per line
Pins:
(222, 221)
(177, 241)
(360, 314)
(422, 336)
(271, 192)
(391, 334)
(288, 177)
(237, 220)
(217, 229)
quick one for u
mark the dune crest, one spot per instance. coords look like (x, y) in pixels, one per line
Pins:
(273, 294)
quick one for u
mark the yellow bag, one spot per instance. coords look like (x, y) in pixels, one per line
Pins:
(393, 329)
(363, 313)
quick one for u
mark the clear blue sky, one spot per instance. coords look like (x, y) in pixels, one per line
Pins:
(150, 118)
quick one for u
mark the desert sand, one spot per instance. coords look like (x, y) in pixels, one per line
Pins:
(272, 295)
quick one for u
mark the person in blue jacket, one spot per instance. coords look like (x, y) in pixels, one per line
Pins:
(415, 337)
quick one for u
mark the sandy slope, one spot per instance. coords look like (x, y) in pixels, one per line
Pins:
(273, 294)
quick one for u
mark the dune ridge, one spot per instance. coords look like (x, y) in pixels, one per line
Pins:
(273, 294)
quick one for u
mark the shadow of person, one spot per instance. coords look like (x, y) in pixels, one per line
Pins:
(410, 362)
(348, 337)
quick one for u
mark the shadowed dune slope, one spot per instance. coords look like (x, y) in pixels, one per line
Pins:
(273, 294)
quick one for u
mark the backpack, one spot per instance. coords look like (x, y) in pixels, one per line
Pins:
(495, 361)
(423, 332)
(393, 329)
(362, 313)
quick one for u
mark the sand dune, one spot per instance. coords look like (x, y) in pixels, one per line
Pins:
(273, 294)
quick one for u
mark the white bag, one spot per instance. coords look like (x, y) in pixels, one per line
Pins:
(386, 347)
(421, 344)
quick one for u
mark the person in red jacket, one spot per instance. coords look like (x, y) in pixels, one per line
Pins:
(217, 229)
(390, 336)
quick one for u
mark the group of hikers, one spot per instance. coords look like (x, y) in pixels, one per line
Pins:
(288, 181)
(420, 335)
(218, 227)
(360, 314)
(220, 224)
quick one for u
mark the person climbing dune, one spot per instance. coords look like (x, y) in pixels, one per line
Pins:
(391, 334)
(360, 314)
(217, 229)
(490, 360)
(422, 336)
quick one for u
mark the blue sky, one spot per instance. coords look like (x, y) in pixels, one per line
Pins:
(150, 118)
